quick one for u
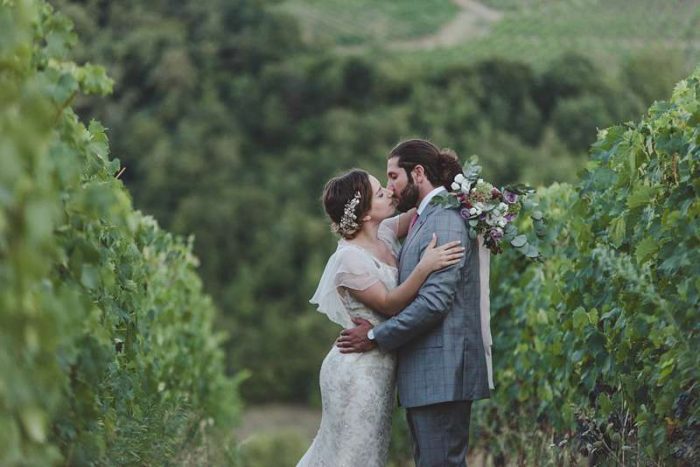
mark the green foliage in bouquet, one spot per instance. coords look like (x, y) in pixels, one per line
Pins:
(597, 346)
(107, 349)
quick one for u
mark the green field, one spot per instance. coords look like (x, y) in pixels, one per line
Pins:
(367, 22)
(533, 30)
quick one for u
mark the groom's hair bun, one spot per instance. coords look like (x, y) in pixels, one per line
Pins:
(449, 167)
(440, 165)
(340, 190)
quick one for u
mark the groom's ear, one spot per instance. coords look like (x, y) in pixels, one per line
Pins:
(418, 173)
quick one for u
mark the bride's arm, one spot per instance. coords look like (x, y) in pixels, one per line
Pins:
(390, 302)
(404, 223)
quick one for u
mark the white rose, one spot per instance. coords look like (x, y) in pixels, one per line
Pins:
(472, 211)
(456, 186)
(459, 178)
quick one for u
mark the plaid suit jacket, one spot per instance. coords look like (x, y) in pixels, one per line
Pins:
(438, 336)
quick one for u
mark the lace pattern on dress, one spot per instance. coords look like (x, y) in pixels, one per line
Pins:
(357, 390)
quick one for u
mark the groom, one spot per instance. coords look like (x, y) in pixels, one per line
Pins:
(441, 361)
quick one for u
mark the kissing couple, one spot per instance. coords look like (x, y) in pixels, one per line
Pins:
(415, 316)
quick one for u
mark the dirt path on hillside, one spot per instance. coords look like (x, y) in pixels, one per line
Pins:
(474, 20)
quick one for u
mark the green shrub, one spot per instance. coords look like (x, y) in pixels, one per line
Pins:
(108, 354)
(597, 345)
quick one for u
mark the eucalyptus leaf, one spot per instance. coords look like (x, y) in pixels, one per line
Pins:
(520, 189)
(519, 241)
(532, 251)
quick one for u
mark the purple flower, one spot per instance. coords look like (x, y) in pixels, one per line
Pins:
(509, 217)
(496, 235)
(464, 212)
(510, 197)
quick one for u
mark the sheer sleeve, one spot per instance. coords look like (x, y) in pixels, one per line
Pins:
(348, 268)
(356, 270)
(388, 233)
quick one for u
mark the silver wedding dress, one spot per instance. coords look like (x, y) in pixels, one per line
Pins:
(357, 390)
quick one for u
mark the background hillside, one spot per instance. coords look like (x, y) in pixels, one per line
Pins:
(440, 32)
(230, 115)
(229, 119)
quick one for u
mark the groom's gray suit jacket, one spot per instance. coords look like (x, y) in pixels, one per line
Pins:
(438, 336)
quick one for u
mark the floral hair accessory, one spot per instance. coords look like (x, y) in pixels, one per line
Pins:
(348, 223)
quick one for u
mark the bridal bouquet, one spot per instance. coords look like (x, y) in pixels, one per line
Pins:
(490, 211)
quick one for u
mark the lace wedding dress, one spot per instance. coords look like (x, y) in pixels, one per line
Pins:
(358, 389)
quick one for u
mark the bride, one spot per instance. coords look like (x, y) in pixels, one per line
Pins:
(360, 281)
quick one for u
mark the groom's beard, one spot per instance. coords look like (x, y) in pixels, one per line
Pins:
(408, 198)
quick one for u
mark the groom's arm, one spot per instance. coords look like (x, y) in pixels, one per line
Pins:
(435, 297)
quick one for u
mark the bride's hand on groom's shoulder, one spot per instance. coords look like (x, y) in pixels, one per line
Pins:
(355, 339)
(438, 257)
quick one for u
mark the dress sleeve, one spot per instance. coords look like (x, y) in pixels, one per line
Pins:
(356, 270)
(388, 234)
(347, 267)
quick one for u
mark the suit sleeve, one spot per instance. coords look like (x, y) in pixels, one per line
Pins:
(436, 295)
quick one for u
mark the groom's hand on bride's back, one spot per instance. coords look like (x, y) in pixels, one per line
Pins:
(355, 339)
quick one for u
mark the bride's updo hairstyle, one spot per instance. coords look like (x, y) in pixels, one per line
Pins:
(441, 165)
(346, 199)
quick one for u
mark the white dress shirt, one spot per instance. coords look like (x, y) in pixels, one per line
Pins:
(424, 202)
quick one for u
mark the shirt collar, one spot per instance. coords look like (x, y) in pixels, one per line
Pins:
(428, 197)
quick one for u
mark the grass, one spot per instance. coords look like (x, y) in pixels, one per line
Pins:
(533, 30)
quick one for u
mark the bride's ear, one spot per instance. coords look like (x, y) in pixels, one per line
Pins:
(367, 218)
